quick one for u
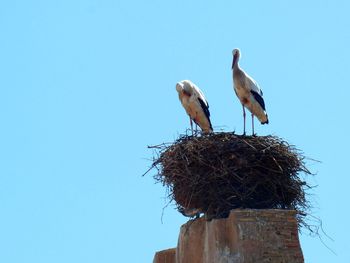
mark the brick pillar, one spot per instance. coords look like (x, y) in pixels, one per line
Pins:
(247, 236)
(165, 256)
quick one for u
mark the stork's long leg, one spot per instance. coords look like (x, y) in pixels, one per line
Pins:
(253, 123)
(243, 119)
(191, 123)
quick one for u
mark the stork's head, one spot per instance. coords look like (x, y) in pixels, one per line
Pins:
(179, 87)
(236, 54)
(184, 87)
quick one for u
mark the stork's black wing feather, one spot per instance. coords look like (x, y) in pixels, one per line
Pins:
(205, 107)
(258, 98)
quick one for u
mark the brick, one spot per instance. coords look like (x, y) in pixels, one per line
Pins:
(249, 235)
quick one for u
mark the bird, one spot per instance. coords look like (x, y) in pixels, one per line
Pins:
(195, 105)
(248, 92)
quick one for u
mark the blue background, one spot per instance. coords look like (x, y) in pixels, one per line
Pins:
(85, 86)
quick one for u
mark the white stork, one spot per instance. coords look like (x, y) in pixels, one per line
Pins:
(248, 92)
(195, 104)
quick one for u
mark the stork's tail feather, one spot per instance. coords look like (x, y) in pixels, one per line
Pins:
(207, 131)
(211, 127)
(267, 120)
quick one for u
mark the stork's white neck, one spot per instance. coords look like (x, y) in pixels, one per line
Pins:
(235, 65)
(235, 61)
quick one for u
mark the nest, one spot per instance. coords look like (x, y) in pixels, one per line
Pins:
(222, 171)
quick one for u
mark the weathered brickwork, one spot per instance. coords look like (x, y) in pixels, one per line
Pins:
(245, 236)
(165, 256)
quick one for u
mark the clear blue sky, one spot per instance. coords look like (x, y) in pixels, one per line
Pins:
(86, 85)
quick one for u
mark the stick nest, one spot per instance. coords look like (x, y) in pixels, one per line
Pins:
(222, 171)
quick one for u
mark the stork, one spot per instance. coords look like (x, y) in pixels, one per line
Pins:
(248, 92)
(195, 104)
